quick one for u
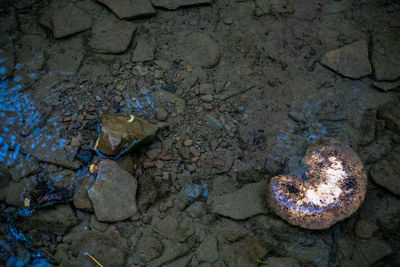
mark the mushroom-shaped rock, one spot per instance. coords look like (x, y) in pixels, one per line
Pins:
(119, 133)
(331, 187)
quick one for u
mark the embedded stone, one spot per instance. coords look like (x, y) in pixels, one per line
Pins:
(329, 187)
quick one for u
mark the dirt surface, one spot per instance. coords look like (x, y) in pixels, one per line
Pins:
(238, 90)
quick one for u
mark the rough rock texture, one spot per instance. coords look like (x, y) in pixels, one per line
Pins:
(113, 194)
(129, 9)
(331, 187)
(70, 20)
(390, 112)
(57, 219)
(386, 56)
(110, 35)
(350, 60)
(244, 252)
(270, 7)
(65, 56)
(119, 135)
(242, 204)
(386, 172)
(145, 48)
(199, 48)
(149, 247)
(175, 4)
(208, 249)
(103, 246)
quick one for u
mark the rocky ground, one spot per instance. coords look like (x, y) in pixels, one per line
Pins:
(238, 90)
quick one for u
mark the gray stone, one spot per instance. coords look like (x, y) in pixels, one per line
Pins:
(148, 247)
(189, 79)
(350, 60)
(172, 251)
(107, 249)
(361, 252)
(81, 199)
(70, 20)
(244, 252)
(145, 49)
(113, 194)
(208, 249)
(30, 51)
(390, 112)
(368, 126)
(199, 48)
(271, 7)
(248, 201)
(121, 133)
(165, 97)
(196, 210)
(100, 226)
(13, 193)
(386, 172)
(24, 166)
(130, 9)
(162, 114)
(365, 229)
(386, 56)
(56, 220)
(387, 86)
(218, 162)
(175, 4)
(167, 226)
(282, 262)
(111, 35)
(65, 56)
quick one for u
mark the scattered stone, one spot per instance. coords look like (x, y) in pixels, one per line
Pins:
(148, 247)
(244, 252)
(65, 56)
(188, 142)
(386, 56)
(242, 204)
(81, 199)
(145, 48)
(111, 35)
(98, 225)
(282, 262)
(172, 251)
(103, 246)
(390, 112)
(119, 135)
(130, 9)
(57, 219)
(365, 229)
(165, 97)
(216, 124)
(361, 252)
(147, 163)
(190, 79)
(387, 86)
(272, 7)
(162, 114)
(167, 226)
(350, 60)
(113, 194)
(175, 4)
(201, 49)
(206, 98)
(152, 154)
(386, 172)
(70, 20)
(208, 249)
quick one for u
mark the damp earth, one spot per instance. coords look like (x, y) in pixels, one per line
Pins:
(144, 133)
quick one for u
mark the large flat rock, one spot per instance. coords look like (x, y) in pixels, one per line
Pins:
(110, 35)
(70, 20)
(130, 9)
(113, 194)
(386, 56)
(248, 201)
(350, 60)
(65, 56)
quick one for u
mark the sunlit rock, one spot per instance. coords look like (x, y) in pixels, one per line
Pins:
(121, 133)
(330, 188)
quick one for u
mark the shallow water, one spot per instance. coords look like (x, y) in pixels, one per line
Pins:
(238, 90)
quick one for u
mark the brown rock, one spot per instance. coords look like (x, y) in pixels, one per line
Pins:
(330, 189)
(350, 60)
(188, 142)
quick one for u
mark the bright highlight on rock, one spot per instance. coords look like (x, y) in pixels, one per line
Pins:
(330, 188)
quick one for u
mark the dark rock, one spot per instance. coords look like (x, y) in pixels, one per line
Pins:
(113, 194)
(65, 56)
(350, 60)
(162, 114)
(367, 127)
(244, 252)
(111, 35)
(365, 229)
(386, 56)
(248, 201)
(386, 172)
(390, 112)
(70, 20)
(172, 251)
(175, 4)
(130, 9)
(145, 48)
(148, 247)
(84, 156)
(387, 86)
(272, 7)
(282, 262)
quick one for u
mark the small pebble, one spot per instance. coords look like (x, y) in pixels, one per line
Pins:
(188, 142)
(207, 106)
(195, 159)
(162, 114)
(159, 164)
